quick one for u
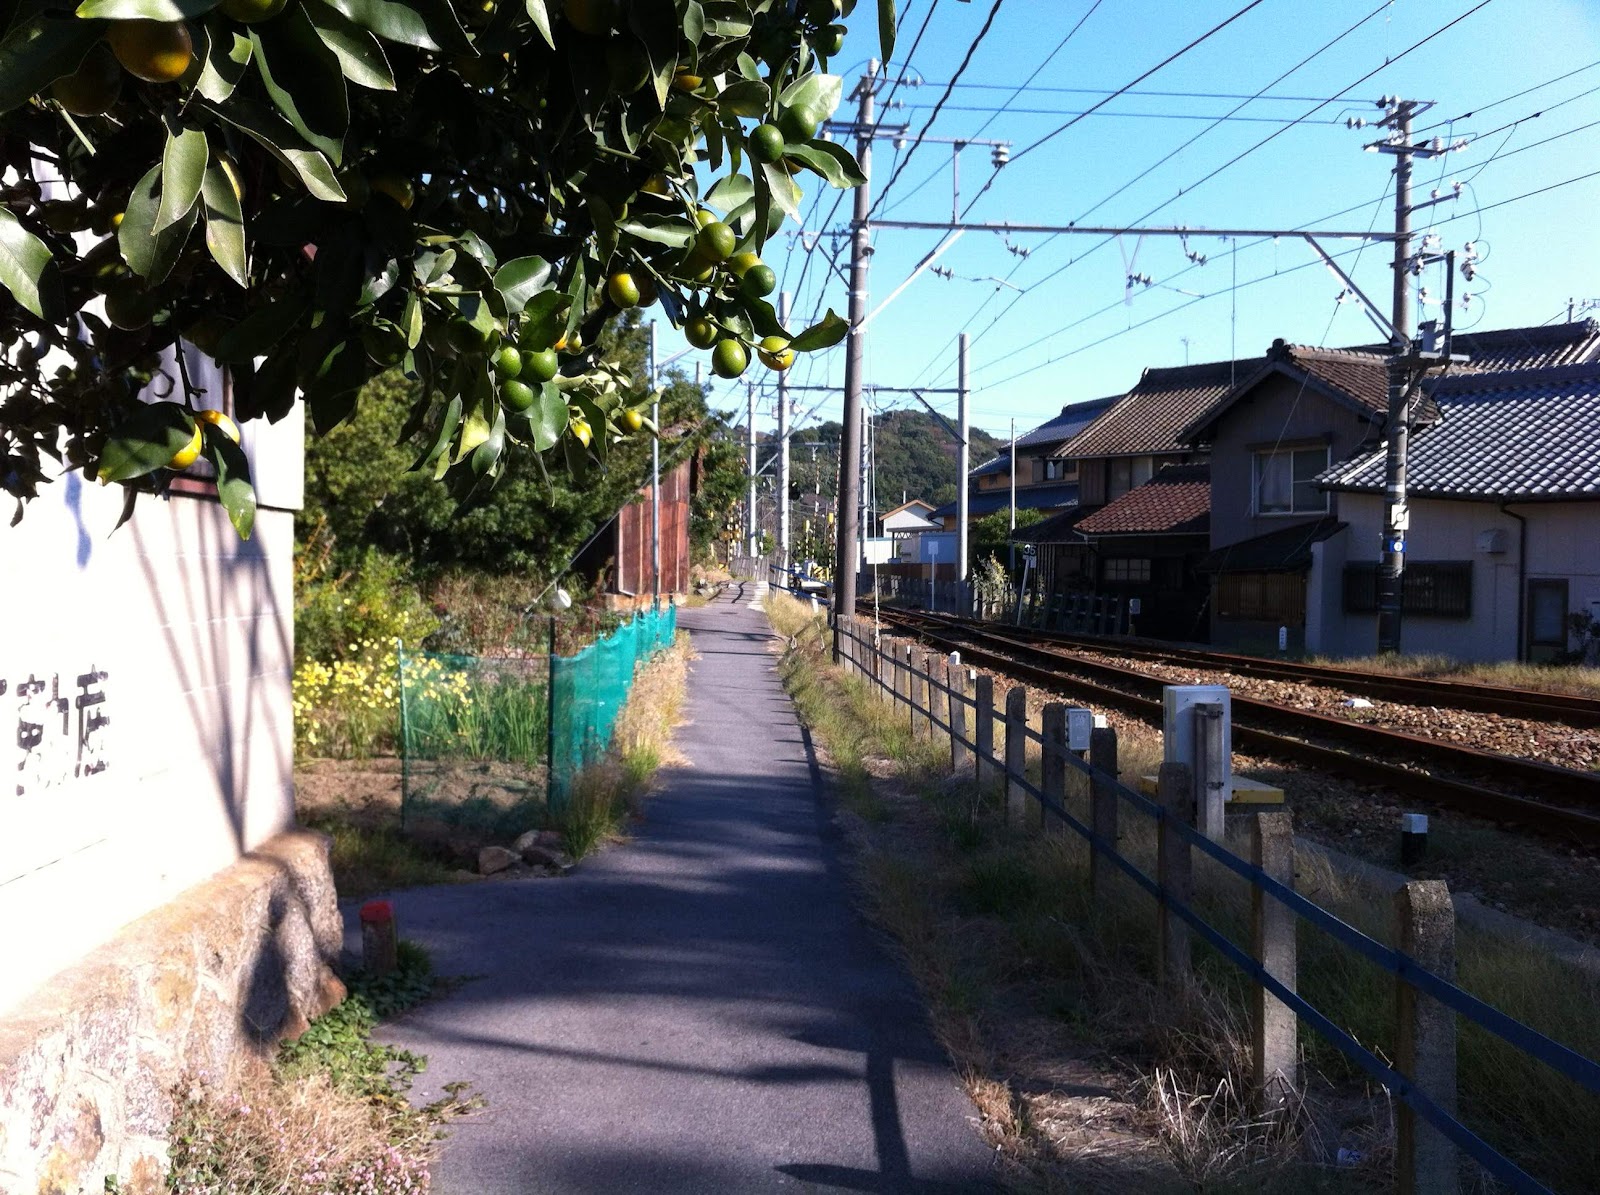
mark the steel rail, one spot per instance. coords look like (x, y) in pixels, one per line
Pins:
(1465, 695)
(1044, 667)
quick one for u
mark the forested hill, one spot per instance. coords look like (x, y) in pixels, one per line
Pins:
(916, 457)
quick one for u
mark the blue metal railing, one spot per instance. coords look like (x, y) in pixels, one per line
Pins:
(1565, 1061)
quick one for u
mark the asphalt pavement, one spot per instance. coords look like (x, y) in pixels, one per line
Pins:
(700, 1009)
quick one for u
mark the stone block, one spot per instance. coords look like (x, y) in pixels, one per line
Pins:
(495, 858)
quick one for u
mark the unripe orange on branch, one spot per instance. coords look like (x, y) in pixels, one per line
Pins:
(155, 51)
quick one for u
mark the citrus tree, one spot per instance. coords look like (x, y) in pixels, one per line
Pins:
(313, 191)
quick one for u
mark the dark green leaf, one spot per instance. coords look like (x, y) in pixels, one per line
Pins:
(825, 334)
(694, 24)
(183, 166)
(730, 192)
(304, 80)
(361, 57)
(331, 394)
(544, 319)
(426, 24)
(448, 422)
(40, 50)
(145, 441)
(27, 269)
(547, 417)
(539, 11)
(886, 28)
(745, 97)
(521, 279)
(149, 253)
(656, 24)
(272, 131)
(254, 335)
(412, 319)
(227, 55)
(829, 159)
(149, 10)
(238, 496)
(673, 232)
(225, 224)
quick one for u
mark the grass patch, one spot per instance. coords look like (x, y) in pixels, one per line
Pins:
(1021, 966)
(368, 859)
(1582, 680)
(329, 1116)
(605, 796)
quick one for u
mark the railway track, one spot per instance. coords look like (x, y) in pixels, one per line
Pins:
(1570, 709)
(1541, 797)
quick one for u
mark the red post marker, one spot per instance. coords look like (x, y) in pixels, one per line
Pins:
(379, 939)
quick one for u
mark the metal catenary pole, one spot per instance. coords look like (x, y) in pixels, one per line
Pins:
(752, 527)
(785, 560)
(850, 439)
(964, 456)
(655, 476)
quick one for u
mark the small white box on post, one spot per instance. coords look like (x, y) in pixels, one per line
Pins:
(1197, 730)
(1080, 725)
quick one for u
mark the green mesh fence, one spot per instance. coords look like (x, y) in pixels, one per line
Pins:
(479, 748)
(589, 689)
(474, 735)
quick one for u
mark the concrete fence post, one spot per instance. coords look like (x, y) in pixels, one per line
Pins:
(1016, 755)
(1103, 811)
(1425, 1038)
(1053, 765)
(983, 728)
(960, 731)
(911, 686)
(933, 667)
(1211, 770)
(1274, 1055)
(894, 657)
(1174, 872)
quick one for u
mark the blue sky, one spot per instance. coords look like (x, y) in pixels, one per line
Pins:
(1065, 327)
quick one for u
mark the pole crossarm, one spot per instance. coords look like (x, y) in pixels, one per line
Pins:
(886, 389)
(1160, 230)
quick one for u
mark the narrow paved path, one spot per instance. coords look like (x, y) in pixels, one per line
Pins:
(701, 1009)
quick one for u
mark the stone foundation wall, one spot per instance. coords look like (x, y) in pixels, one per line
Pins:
(222, 973)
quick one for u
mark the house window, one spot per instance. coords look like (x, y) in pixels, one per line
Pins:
(1038, 469)
(1278, 598)
(1120, 480)
(1127, 572)
(1437, 589)
(1285, 481)
(1055, 469)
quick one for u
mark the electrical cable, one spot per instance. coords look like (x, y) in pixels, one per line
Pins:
(923, 132)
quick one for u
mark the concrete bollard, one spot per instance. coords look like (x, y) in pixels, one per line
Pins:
(1016, 755)
(1274, 1054)
(1053, 765)
(983, 729)
(380, 940)
(960, 732)
(1426, 1162)
(1103, 811)
(1174, 872)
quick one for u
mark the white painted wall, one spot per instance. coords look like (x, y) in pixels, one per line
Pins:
(187, 634)
(1562, 538)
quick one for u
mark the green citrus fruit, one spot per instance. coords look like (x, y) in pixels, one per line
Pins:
(517, 396)
(656, 184)
(248, 12)
(541, 366)
(799, 123)
(729, 359)
(93, 87)
(507, 363)
(684, 81)
(700, 332)
(704, 216)
(775, 353)
(740, 262)
(594, 17)
(715, 241)
(189, 453)
(623, 290)
(758, 282)
(483, 70)
(632, 420)
(467, 337)
(830, 41)
(129, 306)
(766, 143)
(628, 65)
(581, 429)
(820, 12)
(155, 51)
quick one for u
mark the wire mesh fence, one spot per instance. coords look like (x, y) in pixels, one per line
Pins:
(491, 745)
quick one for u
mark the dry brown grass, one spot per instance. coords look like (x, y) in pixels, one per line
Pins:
(1549, 678)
